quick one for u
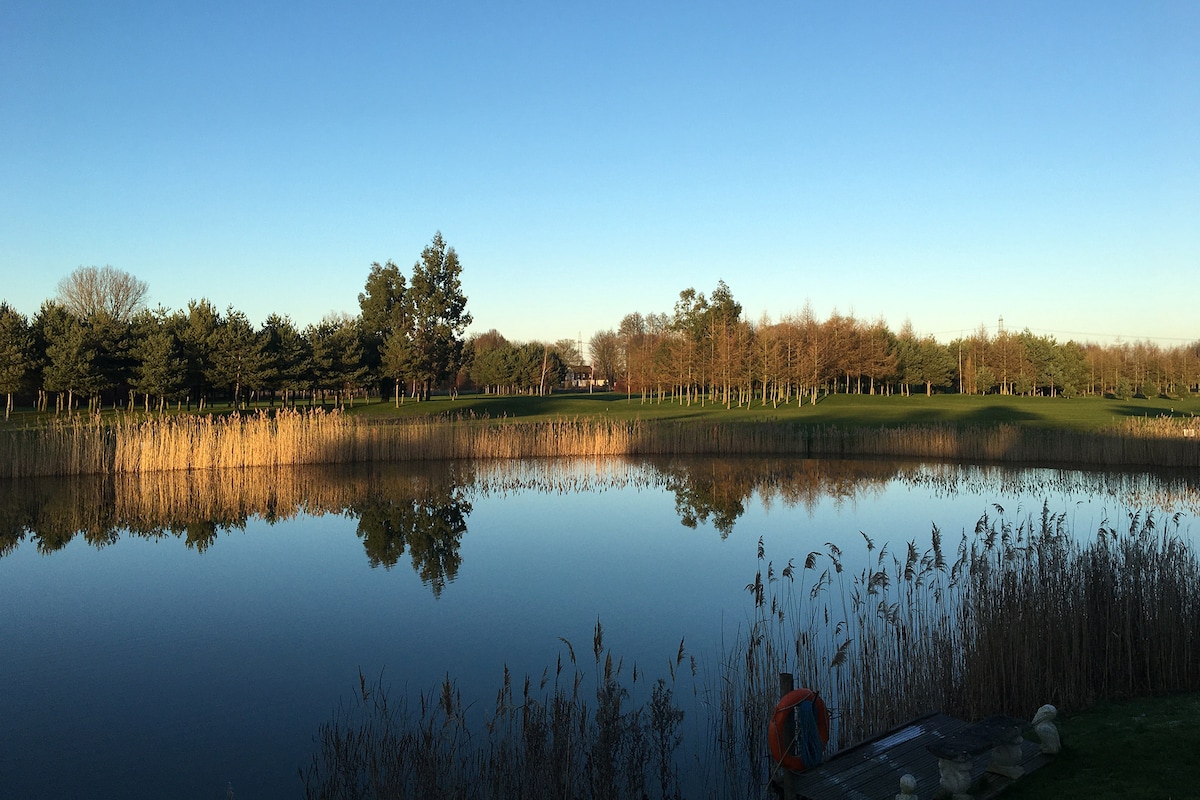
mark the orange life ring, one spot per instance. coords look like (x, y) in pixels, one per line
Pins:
(788, 754)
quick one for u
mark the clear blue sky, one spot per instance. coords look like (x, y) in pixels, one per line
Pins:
(947, 163)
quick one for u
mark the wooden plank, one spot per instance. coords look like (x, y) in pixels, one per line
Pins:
(872, 769)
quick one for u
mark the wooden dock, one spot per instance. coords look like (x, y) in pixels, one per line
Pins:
(872, 769)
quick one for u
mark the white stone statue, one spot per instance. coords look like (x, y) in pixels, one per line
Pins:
(1006, 755)
(1043, 726)
(955, 774)
(908, 788)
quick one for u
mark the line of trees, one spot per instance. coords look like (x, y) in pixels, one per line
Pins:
(96, 343)
(159, 356)
(706, 351)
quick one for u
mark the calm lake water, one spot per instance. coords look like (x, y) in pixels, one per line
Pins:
(185, 636)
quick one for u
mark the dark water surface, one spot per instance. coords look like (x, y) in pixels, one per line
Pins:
(185, 636)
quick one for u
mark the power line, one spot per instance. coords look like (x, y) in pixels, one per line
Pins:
(1117, 336)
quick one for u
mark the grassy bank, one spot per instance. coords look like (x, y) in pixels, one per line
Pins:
(1142, 749)
(134, 444)
(1082, 414)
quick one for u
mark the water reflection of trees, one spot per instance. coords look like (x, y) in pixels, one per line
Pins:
(429, 517)
(422, 508)
(720, 489)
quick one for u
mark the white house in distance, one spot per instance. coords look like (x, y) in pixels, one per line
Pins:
(582, 376)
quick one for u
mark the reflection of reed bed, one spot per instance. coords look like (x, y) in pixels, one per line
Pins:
(808, 483)
(560, 475)
(135, 444)
(196, 505)
(55, 512)
(790, 481)
(172, 499)
(1163, 489)
(1024, 614)
(157, 503)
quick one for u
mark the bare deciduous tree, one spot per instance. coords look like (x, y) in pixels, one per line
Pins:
(569, 352)
(88, 291)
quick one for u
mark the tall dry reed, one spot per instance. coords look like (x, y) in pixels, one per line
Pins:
(1026, 613)
(555, 738)
(1072, 623)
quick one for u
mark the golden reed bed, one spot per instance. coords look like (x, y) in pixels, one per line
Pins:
(132, 445)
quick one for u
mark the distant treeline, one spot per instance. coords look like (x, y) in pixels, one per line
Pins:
(706, 350)
(408, 339)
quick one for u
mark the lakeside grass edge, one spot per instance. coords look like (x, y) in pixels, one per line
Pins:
(134, 444)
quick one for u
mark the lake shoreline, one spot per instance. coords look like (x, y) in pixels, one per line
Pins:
(135, 445)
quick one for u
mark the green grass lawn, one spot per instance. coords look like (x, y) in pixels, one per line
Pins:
(1143, 749)
(1088, 413)
(1080, 413)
